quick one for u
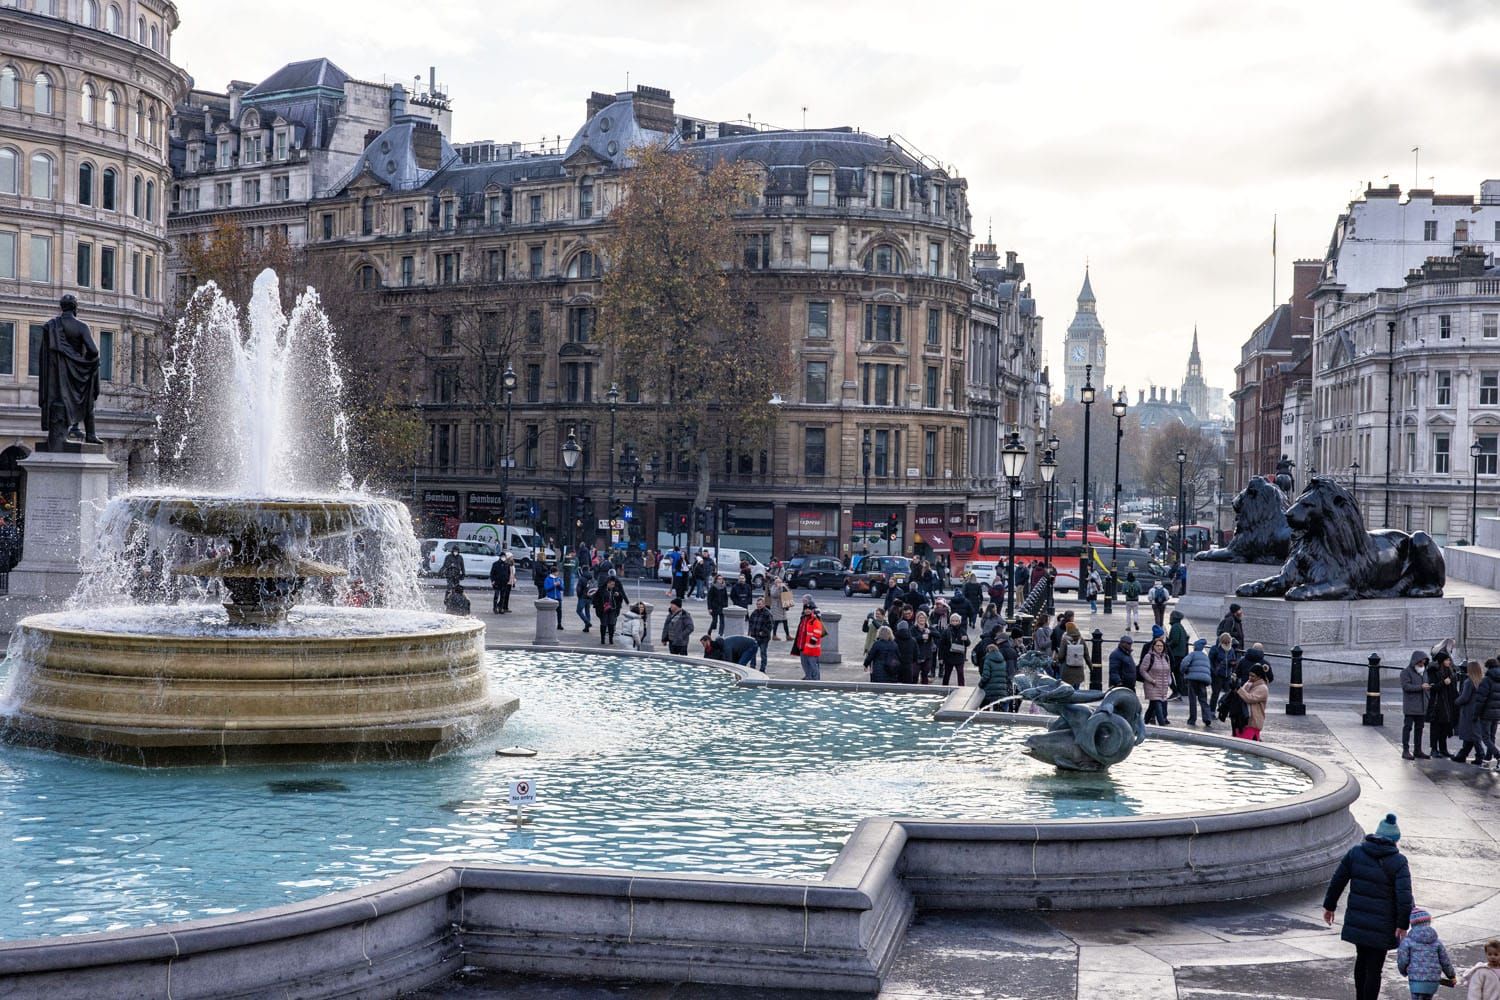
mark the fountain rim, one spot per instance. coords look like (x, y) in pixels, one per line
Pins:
(461, 627)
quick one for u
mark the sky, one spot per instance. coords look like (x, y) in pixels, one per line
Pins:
(1153, 141)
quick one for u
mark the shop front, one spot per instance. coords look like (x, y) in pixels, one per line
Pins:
(932, 538)
(440, 513)
(878, 529)
(485, 508)
(812, 530)
(746, 526)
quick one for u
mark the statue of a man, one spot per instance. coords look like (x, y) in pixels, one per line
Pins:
(1284, 475)
(69, 382)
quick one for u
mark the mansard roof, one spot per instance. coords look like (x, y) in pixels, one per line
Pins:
(308, 74)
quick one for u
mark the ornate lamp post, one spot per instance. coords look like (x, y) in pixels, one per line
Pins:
(613, 398)
(630, 472)
(1119, 407)
(570, 454)
(864, 453)
(1013, 460)
(1354, 483)
(1048, 466)
(1475, 450)
(1181, 509)
(1086, 394)
(508, 383)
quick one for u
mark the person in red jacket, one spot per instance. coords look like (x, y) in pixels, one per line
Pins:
(808, 643)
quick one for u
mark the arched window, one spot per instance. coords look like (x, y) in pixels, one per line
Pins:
(90, 13)
(140, 30)
(10, 171)
(367, 277)
(155, 126)
(584, 265)
(41, 94)
(150, 200)
(135, 197)
(85, 183)
(111, 110)
(10, 90)
(41, 175)
(107, 189)
(155, 40)
(86, 102)
(112, 20)
(883, 260)
(140, 118)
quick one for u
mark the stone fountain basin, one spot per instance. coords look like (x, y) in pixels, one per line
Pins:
(231, 517)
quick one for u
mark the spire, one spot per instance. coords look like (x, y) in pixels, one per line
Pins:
(1193, 357)
(1087, 293)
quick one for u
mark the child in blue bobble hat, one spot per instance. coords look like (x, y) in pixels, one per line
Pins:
(1422, 959)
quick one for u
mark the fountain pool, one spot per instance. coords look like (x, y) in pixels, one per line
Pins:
(644, 764)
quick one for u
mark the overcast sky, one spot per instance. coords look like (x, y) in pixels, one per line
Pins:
(1153, 140)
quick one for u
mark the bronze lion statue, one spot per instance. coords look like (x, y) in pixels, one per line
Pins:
(1334, 558)
(1261, 534)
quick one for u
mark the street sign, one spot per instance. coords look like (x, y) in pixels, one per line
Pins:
(605, 525)
(523, 792)
(629, 513)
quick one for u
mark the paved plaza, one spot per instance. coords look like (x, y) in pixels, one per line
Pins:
(1275, 947)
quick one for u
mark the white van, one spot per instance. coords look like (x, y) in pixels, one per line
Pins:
(520, 542)
(727, 564)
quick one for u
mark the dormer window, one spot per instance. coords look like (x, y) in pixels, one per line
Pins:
(822, 190)
(586, 198)
(224, 152)
(281, 144)
(886, 191)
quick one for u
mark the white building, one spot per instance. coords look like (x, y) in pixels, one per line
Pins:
(1380, 238)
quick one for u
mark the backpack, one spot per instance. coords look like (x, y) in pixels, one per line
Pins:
(1077, 655)
(976, 655)
(1159, 594)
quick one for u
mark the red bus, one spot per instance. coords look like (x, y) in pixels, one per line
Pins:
(991, 547)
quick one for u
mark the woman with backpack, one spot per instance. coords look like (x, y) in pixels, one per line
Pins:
(1075, 658)
(1132, 592)
(1155, 672)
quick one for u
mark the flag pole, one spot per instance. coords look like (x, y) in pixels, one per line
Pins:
(1274, 300)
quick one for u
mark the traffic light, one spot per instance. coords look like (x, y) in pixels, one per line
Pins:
(580, 507)
(682, 522)
(520, 509)
(892, 524)
(617, 512)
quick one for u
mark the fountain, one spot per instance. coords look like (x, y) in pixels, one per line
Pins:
(145, 669)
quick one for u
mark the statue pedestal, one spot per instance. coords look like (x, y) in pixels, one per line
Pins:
(1211, 587)
(1349, 631)
(63, 491)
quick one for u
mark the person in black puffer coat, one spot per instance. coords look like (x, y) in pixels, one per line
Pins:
(1380, 902)
(884, 658)
(906, 647)
(1487, 715)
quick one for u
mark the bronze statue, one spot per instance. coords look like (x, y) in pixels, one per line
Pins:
(1261, 534)
(1334, 558)
(1080, 739)
(69, 382)
(1284, 475)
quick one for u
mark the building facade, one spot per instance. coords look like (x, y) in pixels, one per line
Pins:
(1279, 345)
(86, 90)
(857, 252)
(1085, 343)
(1194, 388)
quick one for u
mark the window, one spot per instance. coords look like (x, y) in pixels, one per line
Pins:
(822, 188)
(934, 328)
(367, 278)
(1486, 463)
(328, 225)
(534, 203)
(135, 273)
(90, 13)
(817, 250)
(1489, 388)
(586, 198)
(111, 111)
(938, 204)
(155, 39)
(112, 20)
(817, 320)
(930, 389)
(815, 388)
(7, 348)
(535, 261)
(408, 219)
(1429, 230)
(448, 213)
(106, 356)
(494, 264)
(447, 268)
(935, 259)
(107, 189)
(757, 251)
(7, 255)
(10, 91)
(1490, 325)
(887, 191)
(86, 102)
(533, 327)
(533, 383)
(41, 175)
(281, 187)
(224, 195)
(881, 385)
(578, 382)
(34, 350)
(1441, 448)
(85, 184)
(584, 265)
(140, 118)
(1445, 328)
(881, 260)
(882, 463)
(10, 171)
(1442, 388)
(445, 330)
(281, 144)
(580, 324)
(814, 451)
(107, 268)
(150, 283)
(533, 444)
(883, 323)
(85, 264)
(41, 94)
(929, 454)
(366, 214)
(137, 190)
(225, 150)
(151, 198)
(1411, 451)
(41, 258)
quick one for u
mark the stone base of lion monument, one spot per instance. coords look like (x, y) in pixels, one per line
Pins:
(1346, 632)
(1211, 587)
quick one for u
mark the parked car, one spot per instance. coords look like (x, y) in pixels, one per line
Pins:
(478, 556)
(727, 562)
(877, 574)
(812, 572)
(1138, 561)
(522, 543)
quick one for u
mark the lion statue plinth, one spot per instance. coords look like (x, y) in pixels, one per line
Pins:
(1333, 557)
(1261, 534)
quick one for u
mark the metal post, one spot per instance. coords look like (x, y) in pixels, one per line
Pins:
(613, 395)
(1475, 451)
(1088, 408)
(1372, 716)
(1010, 591)
(1096, 668)
(1294, 705)
(864, 451)
(1114, 524)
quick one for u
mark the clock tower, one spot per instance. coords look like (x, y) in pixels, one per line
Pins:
(1085, 344)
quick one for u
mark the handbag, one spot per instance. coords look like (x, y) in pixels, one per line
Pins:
(786, 600)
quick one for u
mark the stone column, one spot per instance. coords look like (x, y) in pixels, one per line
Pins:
(647, 636)
(734, 620)
(831, 654)
(65, 491)
(546, 622)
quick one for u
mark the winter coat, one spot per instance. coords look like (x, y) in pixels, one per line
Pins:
(1255, 694)
(1220, 661)
(995, 675)
(1132, 590)
(759, 624)
(809, 638)
(1468, 711)
(1488, 696)
(1041, 640)
(906, 644)
(1177, 637)
(1235, 628)
(1442, 700)
(1122, 669)
(609, 601)
(718, 598)
(926, 640)
(774, 590)
(1421, 957)
(1483, 983)
(973, 593)
(1379, 883)
(1413, 698)
(884, 661)
(677, 629)
(1196, 667)
(1009, 651)
(956, 649)
(1155, 672)
(1252, 658)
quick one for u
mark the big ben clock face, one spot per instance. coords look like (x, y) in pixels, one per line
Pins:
(1079, 353)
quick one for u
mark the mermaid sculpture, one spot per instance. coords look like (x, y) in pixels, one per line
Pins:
(1080, 739)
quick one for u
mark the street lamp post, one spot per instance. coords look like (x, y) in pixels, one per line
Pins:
(1086, 394)
(630, 473)
(570, 453)
(1119, 408)
(864, 451)
(507, 382)
(1013, 459)
(1181, 509)
(613, 397)
(1475, 450)
(1048, 466)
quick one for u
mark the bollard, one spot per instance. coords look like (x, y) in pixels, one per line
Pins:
(1294, 705)
(831, 654)
(1096, 668)
(734, 620)
(646, 639)
(1372, 716)
(546, 622)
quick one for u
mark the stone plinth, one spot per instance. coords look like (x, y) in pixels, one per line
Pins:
(63, 491)
(1211, 587)
(546, 622)
(1349, 631)
(830, 655)
(734, 620)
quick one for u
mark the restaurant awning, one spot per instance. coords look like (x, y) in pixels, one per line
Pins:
(936, 538)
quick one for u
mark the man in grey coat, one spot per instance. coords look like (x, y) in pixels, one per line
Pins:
(677, 629)
(1414, 695)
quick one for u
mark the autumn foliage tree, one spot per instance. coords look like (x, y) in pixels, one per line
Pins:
(676, 316)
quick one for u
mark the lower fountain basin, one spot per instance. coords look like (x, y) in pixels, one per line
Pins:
(160, 686)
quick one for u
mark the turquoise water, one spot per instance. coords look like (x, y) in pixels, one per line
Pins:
(643, 764)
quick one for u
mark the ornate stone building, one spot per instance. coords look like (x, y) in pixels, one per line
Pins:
(1194, 388)
(1085, 343)
(86, 89)
(858, 250)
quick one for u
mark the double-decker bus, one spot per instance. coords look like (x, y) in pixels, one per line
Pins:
(994, 546)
